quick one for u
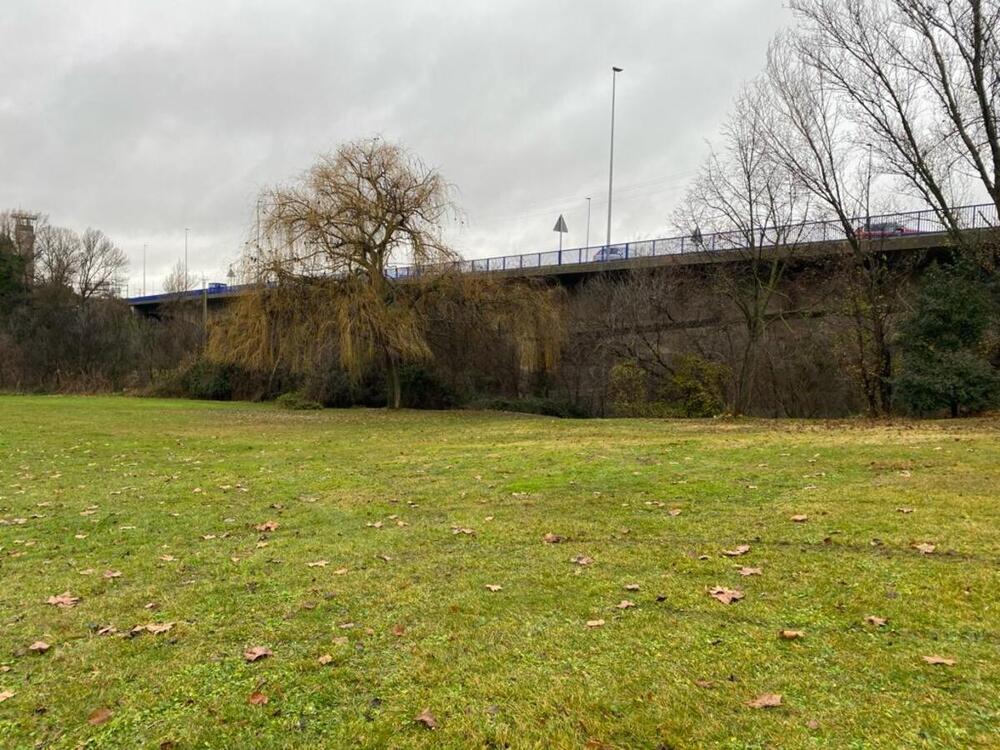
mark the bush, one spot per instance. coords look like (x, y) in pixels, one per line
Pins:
(696, 388)
(945, 356)
(423, 389)
(547, 407)
(297, 401)
(207, 380)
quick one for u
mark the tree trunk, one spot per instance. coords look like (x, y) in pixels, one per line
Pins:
(395, 395)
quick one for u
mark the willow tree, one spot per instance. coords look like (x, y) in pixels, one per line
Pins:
(325, 256)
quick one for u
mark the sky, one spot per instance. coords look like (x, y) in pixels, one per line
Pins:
(147, 117)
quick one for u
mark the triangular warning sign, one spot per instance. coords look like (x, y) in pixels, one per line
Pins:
(560, 225)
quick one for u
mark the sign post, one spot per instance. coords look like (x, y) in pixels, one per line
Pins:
(561, 228)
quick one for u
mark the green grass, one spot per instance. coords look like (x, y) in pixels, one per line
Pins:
(517, 668)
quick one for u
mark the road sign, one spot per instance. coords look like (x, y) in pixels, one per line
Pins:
(560, 225)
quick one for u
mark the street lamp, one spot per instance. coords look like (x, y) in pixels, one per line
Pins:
(611, 172)
(186, 230)
(588, 222)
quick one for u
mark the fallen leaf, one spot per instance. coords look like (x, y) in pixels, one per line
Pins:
(706, 684)
(256, 653)
(398, 630)
(674, 512)
(878, 622)
(325, 659)
(595, 623)
(552, 538)
(750, 571)
(257, 699)
(99, 716)
(631, 586)
(905, 510)
(341, 640)
(168, 558)
(159, 627)
(767, 700)
(791, 635)
(812, 724)
(426, 718)
(625, 604)
(726, 596)
(318, 564)
(582, 560)
(800, 518)
(741, 550)
(64, 599)
(107, 630)
(939, 660)
(925, 548)
(267, 526)
(493, 587)
(341, 571)
(39, 647)
(6, 695)
(112, 574)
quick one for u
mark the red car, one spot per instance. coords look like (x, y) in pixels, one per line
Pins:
(883, 230)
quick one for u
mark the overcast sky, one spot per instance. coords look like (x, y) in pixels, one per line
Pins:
(143, 117)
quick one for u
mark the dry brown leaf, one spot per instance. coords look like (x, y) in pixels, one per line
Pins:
(706, 684)
(726, 596)
(168, 558)
(791, 635)
(939, 660)
(744, 571)
(426, 718)
(878, 622)
(159, 627)
(631, 586)
(318, 564)
(341, 571)
(582, 560)
(341, 640)
(625, 604)
(65, 599)
(741, 550)
(325, 659)
(674, 512)
(107, 630)
(6, 695)
(551, 538)
(905, 510)
(494, 587)
(257, 699)
(39, 647)
(399, 630)
(256, 653)
(802, 518)
(595, 623)
(767, 700)
(925, 548)
(267, 526)
(112, 574)
(99, 716)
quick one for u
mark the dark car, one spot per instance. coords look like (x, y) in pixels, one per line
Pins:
(883, 230)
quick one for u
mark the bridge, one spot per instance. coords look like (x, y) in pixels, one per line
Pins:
(912, 230)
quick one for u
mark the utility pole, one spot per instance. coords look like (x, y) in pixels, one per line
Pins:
(588, 222)
(611, 172)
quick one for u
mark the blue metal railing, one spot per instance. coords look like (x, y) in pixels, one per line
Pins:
(910, 223)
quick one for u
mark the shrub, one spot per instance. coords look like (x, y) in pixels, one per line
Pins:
(297, 401)
(207, 380)
(547, 407)
(424, 389)
(696, 387)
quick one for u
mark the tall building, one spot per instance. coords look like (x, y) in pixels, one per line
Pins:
(24, 241)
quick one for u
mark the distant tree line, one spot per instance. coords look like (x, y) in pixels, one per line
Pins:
(862, 103)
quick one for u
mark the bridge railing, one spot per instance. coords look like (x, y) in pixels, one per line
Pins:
(910, 223)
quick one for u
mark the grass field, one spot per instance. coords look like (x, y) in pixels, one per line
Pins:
(147, 512)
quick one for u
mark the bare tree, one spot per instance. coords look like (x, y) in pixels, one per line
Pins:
(57, 256)
(920, 78)
(177, 280)
(100, 265)
(757, 212)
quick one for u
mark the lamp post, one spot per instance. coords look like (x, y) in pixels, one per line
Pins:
(144, 270)
(588, 222)
(611, 172)
(186, 282)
